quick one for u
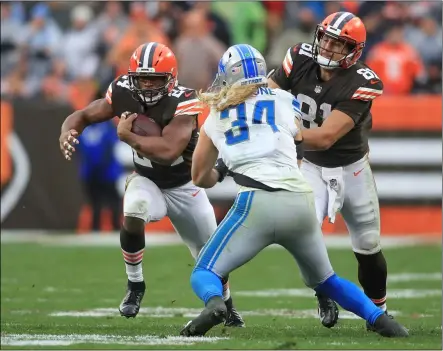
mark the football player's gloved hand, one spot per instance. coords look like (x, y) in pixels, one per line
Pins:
(222, 169)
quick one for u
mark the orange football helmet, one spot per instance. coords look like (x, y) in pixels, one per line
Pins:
(342, 27)
(152, 72)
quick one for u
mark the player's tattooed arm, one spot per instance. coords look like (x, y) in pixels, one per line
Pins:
(333, 128)
(97, 111)
(167, 148)
(203, 160)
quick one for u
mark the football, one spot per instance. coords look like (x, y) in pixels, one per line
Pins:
(145, 126)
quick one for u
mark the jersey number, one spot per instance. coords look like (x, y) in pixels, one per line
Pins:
(367, 73)
(124, 83)
(305, 49)
(313, 116)
(240, 130)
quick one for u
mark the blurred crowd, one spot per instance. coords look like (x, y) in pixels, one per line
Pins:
(71, 51)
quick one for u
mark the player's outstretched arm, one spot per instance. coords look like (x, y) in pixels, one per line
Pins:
(203, 160)
(97, 111)
(167, 148)
(333, 128)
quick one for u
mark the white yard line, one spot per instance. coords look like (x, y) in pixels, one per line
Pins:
(169, 312)
(70, 339)
(164, 239)
(407, 277)
(392, 293)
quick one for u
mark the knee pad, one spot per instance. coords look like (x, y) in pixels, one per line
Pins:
(367, 243)
(136, 206)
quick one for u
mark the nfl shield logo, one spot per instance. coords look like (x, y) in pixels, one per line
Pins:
(317, 89)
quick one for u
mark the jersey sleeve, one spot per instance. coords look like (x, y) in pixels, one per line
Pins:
(117, 92)
(296, 109)
(108, 95)
(360, 99)
(285, 73)
(188, 104)
(290, 109)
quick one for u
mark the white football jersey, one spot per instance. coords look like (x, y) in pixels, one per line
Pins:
(256, 138)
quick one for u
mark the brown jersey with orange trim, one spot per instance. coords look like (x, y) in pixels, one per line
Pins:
(181, 101)
(351, 91)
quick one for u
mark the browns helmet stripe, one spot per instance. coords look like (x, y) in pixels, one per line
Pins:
(147, 54)
(151, 54)
(340, 19)
(142, 55)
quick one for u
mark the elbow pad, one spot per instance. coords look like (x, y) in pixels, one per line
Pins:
(300, 149)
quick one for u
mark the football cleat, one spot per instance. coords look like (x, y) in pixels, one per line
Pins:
(233, 318)
(130, 305)
(214, 313)
(327, 311)
(387, 326)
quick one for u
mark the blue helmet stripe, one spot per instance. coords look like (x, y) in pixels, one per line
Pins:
(243, 61)
(254, 64)
(249, 60)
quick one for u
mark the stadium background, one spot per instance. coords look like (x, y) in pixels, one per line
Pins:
(58, 56)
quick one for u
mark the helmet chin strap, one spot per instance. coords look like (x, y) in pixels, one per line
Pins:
(329, 64)
(153, 101)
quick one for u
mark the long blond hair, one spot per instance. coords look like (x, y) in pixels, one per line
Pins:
(228, 96)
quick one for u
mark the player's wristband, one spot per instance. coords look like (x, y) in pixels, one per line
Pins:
(222, 169)
(300, 149)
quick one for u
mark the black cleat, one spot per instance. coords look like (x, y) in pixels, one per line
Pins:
(214, 313)
(233, 319)
(387, 326)
(327, 311)
(130, 305)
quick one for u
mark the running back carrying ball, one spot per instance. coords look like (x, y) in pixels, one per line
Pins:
(145, 126)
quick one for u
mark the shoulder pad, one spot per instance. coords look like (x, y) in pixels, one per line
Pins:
(366, 85)
(188, 103)
(295, 56)
(118, 84)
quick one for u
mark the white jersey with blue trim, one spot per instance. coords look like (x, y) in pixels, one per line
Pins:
(256, 138)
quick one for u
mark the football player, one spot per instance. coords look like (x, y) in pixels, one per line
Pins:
(254, 128)
(336, 91)
(161, 184)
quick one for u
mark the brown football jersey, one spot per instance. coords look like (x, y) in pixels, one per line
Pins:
(351, 91)
(181, 101)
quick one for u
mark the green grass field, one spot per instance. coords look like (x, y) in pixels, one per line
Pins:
(67, 297)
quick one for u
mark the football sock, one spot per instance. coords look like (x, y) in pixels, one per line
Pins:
(372, 275)
(350, 297)
(133, 246)
(226, 290)
(206, 284)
